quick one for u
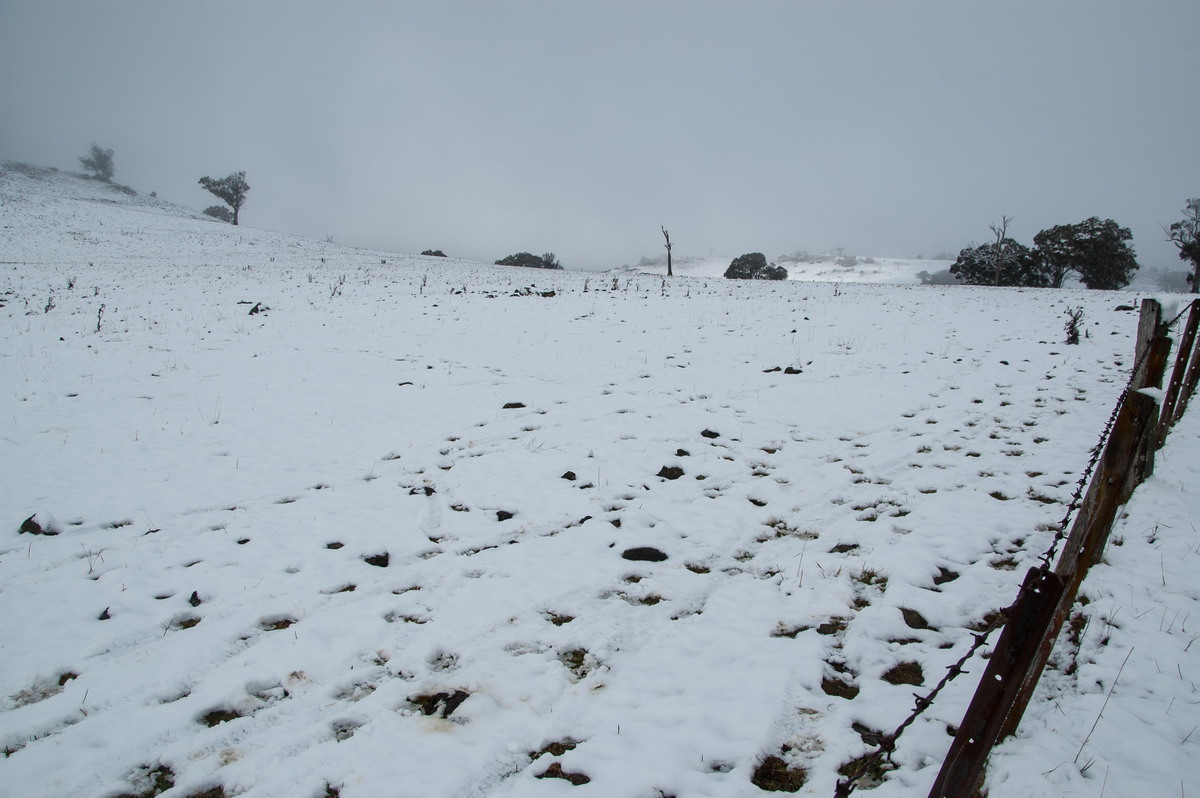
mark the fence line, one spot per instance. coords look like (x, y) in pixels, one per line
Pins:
(1048, 595)
(1122, 459)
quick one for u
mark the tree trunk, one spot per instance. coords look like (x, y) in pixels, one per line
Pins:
(667, 236)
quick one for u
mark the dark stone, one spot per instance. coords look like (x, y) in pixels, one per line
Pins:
(570, 475)
(378, 560)
(670, 472)
(503, 515)
(195, 599)
(31, 526)
(644, 553)
(792, 370)
(514, 406)
(710, 434)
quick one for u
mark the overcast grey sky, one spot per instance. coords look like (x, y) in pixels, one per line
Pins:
(484, 127)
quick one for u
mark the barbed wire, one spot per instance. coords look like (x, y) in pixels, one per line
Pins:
(887, 743)
(1098, 450)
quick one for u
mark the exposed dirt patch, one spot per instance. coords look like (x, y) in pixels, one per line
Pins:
(440, 704)
(905, 673)
(578, 661)
(870, 773)
(555, 771)
(914, 619)
(378, 560)
(149, 781)
(839, 688)
(945, 575)
(773, 774)
(275, 623)
(557, 748)
(219, 715)
(833, 626)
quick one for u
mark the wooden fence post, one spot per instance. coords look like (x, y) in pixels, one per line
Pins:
(1149, 324)
(1011, 659)
(1189, 385)
(1179, 375)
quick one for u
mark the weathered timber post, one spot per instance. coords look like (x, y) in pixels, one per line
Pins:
(1179, 373)
(984, 719)
(1124, 464)
(1149, 328)
(1190, 379)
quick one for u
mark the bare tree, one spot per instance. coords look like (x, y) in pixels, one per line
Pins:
(1001, 231)
(667, 236)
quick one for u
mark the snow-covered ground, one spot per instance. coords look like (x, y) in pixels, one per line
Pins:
(373, 539)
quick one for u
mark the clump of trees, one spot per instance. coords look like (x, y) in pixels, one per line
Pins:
(231, 190)
(1185, 234)
(434, 253)
(754, 266)
(1096, 251)
(99, 162)
(531, 261)
(1003, 262)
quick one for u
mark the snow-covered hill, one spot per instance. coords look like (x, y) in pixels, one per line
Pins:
(339, 522)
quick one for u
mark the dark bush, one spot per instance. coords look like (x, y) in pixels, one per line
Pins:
(219, 212)
(434, 253)
(944, 277)
(531, 261)
(753, 266)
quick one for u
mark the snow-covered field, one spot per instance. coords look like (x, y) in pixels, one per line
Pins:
(374, 539)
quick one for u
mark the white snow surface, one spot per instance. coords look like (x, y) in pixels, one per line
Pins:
(219, 480)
